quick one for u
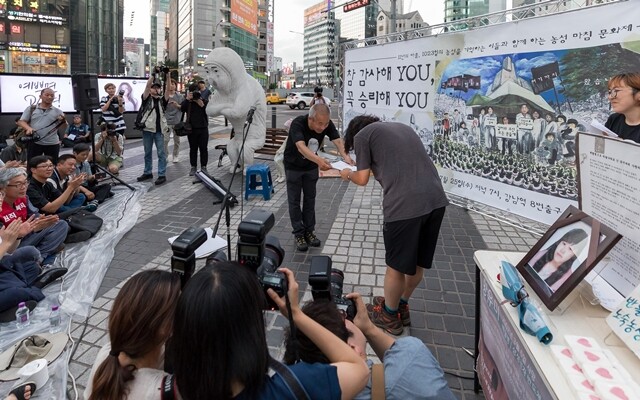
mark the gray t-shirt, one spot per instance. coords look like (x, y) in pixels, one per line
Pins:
(399, 161)
(410, 372)
(42, 120)
(173, 114)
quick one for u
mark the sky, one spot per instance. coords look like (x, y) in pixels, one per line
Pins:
(288, 17)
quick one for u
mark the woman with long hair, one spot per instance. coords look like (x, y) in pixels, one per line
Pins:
(130, 365)
(220, 347)
(624, 96)
(553, 264)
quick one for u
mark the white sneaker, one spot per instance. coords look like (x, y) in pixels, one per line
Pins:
(175, 159)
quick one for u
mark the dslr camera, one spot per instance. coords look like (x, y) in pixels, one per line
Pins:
(24, 139)
(161, 68)
(260, 252)
(326, 283)
(195, 92)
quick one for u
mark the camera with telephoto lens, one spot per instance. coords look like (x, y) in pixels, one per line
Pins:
(121, 93)
(326, 283)
(29, 138)
(111, 132)
(260, 252)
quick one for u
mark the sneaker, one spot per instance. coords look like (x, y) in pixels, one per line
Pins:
(90, 207)
(176, 159)
(144, 177)
(312, 239)
(192, 171)
(382, 319)
(403, 309)
(301, 243)
(161, 180)
(204, 170)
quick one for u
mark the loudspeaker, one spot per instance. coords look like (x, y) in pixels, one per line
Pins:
(86, 94)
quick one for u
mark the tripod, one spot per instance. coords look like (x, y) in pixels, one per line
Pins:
(94, 165)
(229, 200)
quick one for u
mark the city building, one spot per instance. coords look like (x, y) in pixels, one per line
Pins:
(242, 26)
(134, 56)
(321, 31)
(359, 23)
(159, 13)
(35, 39)
(61, 37)
(404, 22)
(96, 34)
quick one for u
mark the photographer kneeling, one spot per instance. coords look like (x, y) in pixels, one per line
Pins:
(220, 347)
(109, 146)
(410, 370)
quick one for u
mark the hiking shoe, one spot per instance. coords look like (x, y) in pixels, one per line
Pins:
(144, 177)
(161, 180)
(301, 243)
(192, 171)
(403, 309)
(382, 319)
(204, 169)
(312, 239)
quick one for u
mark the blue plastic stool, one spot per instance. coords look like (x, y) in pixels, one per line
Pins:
(253, 186)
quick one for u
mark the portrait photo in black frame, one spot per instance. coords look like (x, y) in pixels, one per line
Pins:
(572, 246)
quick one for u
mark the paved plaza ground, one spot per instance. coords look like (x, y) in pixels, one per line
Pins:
(349, 220)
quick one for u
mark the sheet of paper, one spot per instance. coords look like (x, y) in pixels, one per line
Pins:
(209, 247)
(340, 165)
(597, 127)
(624, 321)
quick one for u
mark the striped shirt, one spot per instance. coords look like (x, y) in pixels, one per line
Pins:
(112, 115)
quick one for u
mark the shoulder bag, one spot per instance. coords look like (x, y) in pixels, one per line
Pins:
(184, 128)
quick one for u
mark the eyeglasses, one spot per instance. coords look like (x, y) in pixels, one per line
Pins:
(47, 166)
(19, 185)
(613, 93)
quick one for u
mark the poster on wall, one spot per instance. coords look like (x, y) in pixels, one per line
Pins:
(17, 92)
(610, 191)
(499, 108)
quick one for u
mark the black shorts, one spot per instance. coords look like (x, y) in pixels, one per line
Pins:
(411, 243)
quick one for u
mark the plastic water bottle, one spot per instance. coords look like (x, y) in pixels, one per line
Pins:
(54, 319)
(22, 316)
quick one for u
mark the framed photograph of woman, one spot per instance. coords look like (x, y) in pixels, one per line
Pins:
(565, 254)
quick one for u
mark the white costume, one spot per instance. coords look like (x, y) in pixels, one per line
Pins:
(235, 93)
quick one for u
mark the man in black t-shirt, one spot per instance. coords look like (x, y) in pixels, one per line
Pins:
(301, 166)
(43, 194)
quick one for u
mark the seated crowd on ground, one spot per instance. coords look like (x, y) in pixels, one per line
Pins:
(38, 196)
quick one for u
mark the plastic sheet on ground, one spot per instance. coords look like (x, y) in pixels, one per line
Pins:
(87, 263)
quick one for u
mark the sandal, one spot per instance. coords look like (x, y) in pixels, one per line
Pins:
(19, 391)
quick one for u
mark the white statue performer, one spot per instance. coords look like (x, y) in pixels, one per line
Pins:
(235, 94)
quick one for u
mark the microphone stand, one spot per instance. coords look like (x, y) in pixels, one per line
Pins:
(226, 199)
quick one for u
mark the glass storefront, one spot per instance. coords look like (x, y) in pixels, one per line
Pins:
(39, 63)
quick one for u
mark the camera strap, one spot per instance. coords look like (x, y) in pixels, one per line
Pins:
(52, 130)
(168, 388)
(289, 379)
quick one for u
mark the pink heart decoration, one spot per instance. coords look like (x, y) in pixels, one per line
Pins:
(618, 392)
(567, 353)
(577, 367)
(591, 356)
(584, 342)
(603, 372)
(588, 385)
